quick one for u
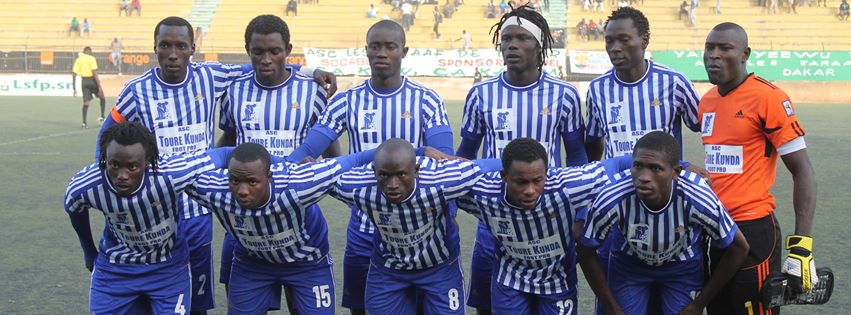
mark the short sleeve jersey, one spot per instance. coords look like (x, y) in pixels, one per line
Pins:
(741, 132)
(85, 65)
(624, 112)
(500, 112)
(276, 117)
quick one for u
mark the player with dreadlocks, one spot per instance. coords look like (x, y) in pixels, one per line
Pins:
(523, 101)
(141, 258)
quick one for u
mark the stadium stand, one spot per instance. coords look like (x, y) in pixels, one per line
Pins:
(43, 24)
(813, 28)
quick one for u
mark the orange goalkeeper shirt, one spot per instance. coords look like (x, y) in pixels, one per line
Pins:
(741, 131)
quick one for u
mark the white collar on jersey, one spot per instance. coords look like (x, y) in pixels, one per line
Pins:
(505, 199)
(160, 79)
(413, 192)
(649, 65)
(141, 184)
(287, 79)
(670, 198)
(268, 201)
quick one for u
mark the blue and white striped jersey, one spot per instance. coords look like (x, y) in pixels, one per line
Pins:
(665, 235)
(624, 112)
(502, 112)
(140, 227)
(277, 117)
(417, 233)
(181, 116)
(284, 230)
(535, 248)
(370, 117)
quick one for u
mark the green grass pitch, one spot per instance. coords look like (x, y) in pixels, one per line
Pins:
(41, 147)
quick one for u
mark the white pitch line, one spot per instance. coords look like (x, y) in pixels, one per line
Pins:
(43, 137)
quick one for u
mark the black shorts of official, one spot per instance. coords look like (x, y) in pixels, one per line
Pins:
(89, 87)
(740, 296)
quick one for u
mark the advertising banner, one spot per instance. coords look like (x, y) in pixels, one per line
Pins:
(774, 65)
(423, 61)
(589, 62)
(37, 84)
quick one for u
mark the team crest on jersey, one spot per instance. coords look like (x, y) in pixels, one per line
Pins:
(545, 111)
(121, 218)
(708, 124)
(504, 120)
(368, 120)
(656, 102)
(198, 96)
(787, 105)
(638, 233)
(239, 222)
(383, 219)
(248, 112)
(155, 203)
(503, 228)
(680, 229)
(407, 115)
(162, 109)
(615, 116)
(295, 105)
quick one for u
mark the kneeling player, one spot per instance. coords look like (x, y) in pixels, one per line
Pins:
(660, 212)
(416, 244)
(530, 208)
(282, 239)
(141, 256)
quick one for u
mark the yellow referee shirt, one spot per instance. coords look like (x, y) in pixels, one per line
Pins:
(84, 65)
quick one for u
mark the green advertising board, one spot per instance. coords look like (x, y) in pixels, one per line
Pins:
(774, 65)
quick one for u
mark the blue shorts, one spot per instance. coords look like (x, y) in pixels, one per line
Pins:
(634, 283)
(509, 301)
(440, 288)
(255, 287)
(164, 291)
(198, 232)
(481, 269)
(355, 266)
(226, 260)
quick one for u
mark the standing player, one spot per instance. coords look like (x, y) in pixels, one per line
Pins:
(747, 123)
(386, 106)
(530, 208)
(273, 106)
(282, 239)
(176, 101)
(86, 67)
(141, 256)
(524, 101)
(660, 212)
(638, 95)
(415, 249)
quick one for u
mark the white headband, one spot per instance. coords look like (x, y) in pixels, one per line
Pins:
(525, 24)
